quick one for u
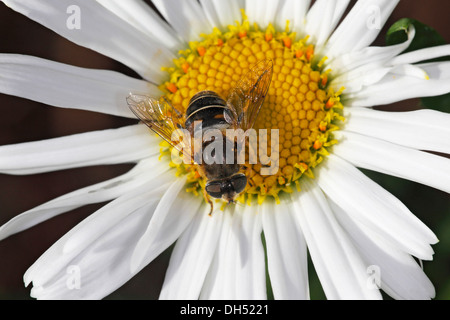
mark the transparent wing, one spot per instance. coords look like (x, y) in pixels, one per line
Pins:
(161, 117)
(246, 99)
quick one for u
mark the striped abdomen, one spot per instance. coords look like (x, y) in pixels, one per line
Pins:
(208, 107)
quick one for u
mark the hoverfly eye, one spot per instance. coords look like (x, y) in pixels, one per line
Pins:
(239, 182)
(214, 189)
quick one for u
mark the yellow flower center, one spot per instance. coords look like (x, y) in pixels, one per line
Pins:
(299, 102)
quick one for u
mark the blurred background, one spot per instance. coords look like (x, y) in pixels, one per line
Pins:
(22, 120)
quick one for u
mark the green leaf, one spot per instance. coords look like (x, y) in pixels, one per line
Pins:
(268, 283)
(426, 37)
(439, 103)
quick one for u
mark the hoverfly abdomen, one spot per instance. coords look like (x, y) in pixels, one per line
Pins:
(207, 107)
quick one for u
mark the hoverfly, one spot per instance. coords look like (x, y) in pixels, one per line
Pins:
(238, 111)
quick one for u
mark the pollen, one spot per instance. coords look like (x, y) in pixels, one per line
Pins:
(300, 105)
(172, 87)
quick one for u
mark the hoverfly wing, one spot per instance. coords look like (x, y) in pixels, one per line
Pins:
(245, 100)
(162, 118)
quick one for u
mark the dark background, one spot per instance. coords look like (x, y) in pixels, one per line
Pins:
(22, 120)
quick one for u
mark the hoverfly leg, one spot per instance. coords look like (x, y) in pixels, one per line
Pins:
(207, 199)
(212, 208)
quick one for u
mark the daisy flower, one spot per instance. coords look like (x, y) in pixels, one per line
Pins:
(327, 77)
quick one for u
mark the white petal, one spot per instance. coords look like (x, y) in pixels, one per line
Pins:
(355, 80)
(323, 18)
(127, 144)
(397, 272)
(370, 56)
(192, 256)
(238, 268)
(254, 11)
(100, 269)
(139, 15)
(421, 129)
(385, 157)
(361, 26)
(341, 270)
(396, 87)
(294, 11)
(101, 192)
(262, 12)
(186, 17)
(172, 216)
(286, 252)
(221, 13)
(220, 285)
(409, 70)
(422, 55)
(102, 222)
(99, 224)
(209, 8)
(65, 86)
(98, 227)
(375, 208)
(269, 9)
(101, 31)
